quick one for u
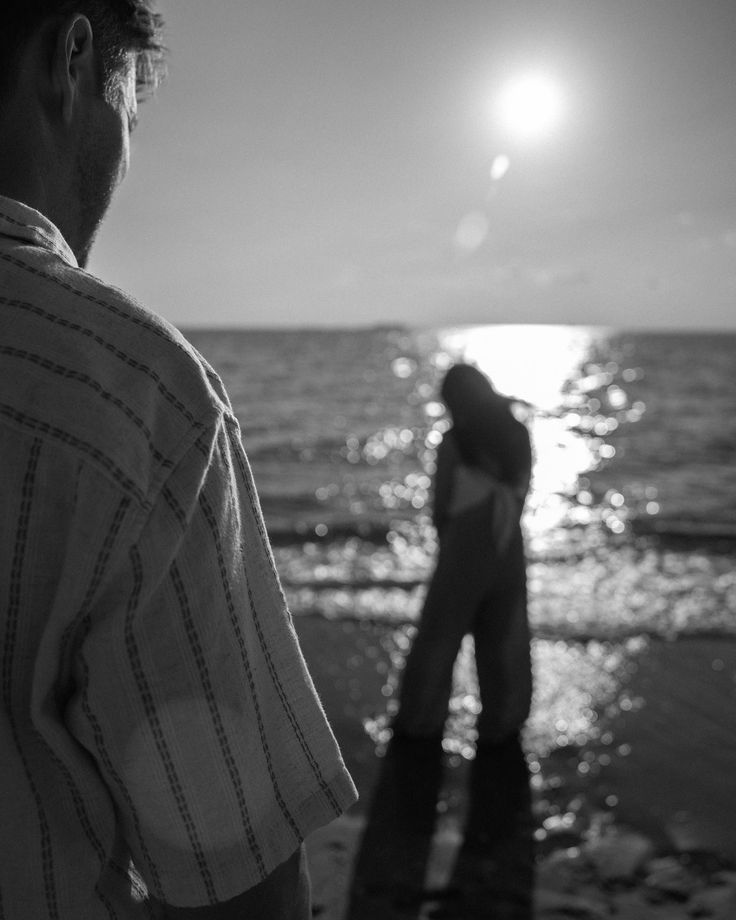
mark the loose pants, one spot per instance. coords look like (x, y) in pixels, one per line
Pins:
(480, 590)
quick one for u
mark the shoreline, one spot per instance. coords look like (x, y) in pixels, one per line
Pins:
(664, 790)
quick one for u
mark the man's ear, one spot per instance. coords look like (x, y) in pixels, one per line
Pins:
(74, 68)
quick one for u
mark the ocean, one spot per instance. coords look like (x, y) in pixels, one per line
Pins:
(630, 524)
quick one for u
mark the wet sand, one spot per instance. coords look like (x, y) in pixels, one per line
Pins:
(678, 782)
(665, 767)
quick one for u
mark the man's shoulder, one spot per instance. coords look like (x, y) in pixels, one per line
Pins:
(97, 372)
(154, 352)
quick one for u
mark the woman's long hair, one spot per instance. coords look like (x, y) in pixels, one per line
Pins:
(484, 427)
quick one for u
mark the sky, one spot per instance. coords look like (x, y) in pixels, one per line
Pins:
(344, 162)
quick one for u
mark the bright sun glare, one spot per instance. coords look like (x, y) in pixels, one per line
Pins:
(529, 106)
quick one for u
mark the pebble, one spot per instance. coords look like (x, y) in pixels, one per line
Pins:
(714, 903)
(667, 877)
(551, 903)
(563, 871)
(618, 854)
(577, 883)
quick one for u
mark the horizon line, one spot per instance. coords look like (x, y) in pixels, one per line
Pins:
(419, 327)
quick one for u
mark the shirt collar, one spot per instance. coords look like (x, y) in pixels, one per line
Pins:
(20, 222)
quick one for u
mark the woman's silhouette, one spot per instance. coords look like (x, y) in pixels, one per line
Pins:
(478, 588)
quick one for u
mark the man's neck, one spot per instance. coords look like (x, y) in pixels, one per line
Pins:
(32, 179)
(21, 174)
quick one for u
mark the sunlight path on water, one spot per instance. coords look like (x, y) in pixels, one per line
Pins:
(537, 366)
(532, 363)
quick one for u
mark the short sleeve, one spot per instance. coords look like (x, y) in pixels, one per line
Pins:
(194, 698)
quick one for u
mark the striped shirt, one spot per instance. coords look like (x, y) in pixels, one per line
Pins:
(158, 726)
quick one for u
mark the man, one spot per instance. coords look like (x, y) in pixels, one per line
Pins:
(162, 750)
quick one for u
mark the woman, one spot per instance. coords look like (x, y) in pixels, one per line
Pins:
(479, 584)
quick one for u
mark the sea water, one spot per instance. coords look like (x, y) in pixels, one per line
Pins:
(630, 524)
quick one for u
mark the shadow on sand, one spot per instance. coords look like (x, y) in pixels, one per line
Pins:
(493, 872)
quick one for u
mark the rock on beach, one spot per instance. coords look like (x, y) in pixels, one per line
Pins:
(616, 874)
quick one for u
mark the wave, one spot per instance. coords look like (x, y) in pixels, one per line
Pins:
(267, 442)
(355, 584)
(323, 529)
(685, 531)
(613, 590)
(286, 526)
(541, 633)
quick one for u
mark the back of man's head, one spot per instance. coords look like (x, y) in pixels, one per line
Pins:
(120, 27)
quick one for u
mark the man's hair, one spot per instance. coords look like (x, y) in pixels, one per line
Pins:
(119, 27)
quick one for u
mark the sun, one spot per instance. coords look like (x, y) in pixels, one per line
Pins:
(529, 106)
